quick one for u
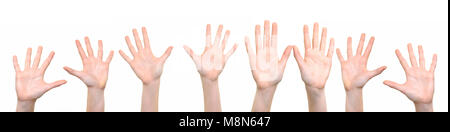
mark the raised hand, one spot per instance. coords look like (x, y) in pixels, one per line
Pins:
(30, 84)
(147, 67)
(94, 74)
(419, 85)
(267, 69)
(315, 67)
(210, 64)
(354, 72)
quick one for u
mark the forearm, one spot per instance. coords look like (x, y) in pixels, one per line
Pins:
(211, 95)
(316, 99)
(25, 106)
(95, 100)
(150, 95)
(263, 99)
(422, 107)
(354, 100)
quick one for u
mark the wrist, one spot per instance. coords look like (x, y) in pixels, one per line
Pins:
(354, 100)
(150, 95)
(150, 82)
(423, 107)
(95, 91)
(315, 92)
(95, 100)
(263, 98)
(266, 91)
(211, 95)
(25, 105)
(316, 99)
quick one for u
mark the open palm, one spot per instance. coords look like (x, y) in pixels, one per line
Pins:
(30, 84)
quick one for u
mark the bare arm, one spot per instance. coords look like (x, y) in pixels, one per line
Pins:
(315, 67)
(210, 64)
(355, 74)
(267, 69)
(94, 74)
(147, 67)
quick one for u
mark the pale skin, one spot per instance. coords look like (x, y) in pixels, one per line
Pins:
(355, 74)
(30, 84)
(267, 69)
(147, 67)
(419, 85)
(94, 74)
(210, 64)
(315, 66)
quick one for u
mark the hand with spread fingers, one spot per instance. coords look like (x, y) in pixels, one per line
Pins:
(210, 64)
(419, 85)
(355, 74)
(315, 66)
(30, 84)
(267, 69)
(147, 67)
(94, 74)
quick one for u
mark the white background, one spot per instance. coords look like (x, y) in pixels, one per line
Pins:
(57, 24)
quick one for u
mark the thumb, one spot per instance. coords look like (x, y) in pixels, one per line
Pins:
(394, 85)
(167, 53)
(73, 72)
(377, 71)
(55, 84)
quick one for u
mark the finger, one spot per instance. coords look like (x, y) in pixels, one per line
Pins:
(146, 40)
(28, 59)
(349, 48)
(191, 53)
(218, 35)
(88, 46)
(402, 60)
(47, 62)
(421, 57)
(306, 38)
(259, 46)
(130, 46)
(331, 48)
(124, 56)
(393, 85)
(369, 48)
(73, 72)
(266, 42)
(225, 39)
(55, 84)
(285, 57)
(339, 54)
(208, 36)
(323, 40)
(377, 71)
(110, 56)
(229, 53)
(100, 50)
(433, 63)
(167, 53)
(16, 64)
(137, 40)
(412, 57)
(37, 58)
(361, 44)
(250, 52)
(274, 39)
(298, 57)
(315, 43)
(80, 50)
